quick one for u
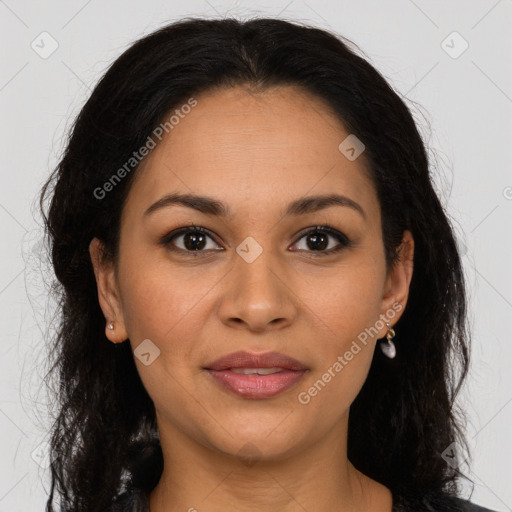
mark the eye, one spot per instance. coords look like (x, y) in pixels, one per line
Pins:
(319, 239)
(193, 239)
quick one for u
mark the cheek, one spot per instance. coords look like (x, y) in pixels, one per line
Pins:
(347, 300)
(347, 311)
(164, 304)
(346, 308)
(168, 308)
(157, 291)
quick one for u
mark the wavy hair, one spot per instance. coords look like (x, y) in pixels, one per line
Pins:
(104, 437)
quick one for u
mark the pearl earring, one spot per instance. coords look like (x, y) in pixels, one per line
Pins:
(389, 348)
(110, 325)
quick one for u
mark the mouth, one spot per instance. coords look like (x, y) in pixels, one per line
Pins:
(256, 376)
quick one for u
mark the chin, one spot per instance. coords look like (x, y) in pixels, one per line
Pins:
(258, 439)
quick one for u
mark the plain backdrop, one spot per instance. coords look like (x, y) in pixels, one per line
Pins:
(450, 60)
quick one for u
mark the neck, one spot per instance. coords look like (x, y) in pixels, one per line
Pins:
(320, 478)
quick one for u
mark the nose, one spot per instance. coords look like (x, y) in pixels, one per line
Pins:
(257, 296)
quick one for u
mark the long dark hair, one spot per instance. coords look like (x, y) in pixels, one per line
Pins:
(104, 439)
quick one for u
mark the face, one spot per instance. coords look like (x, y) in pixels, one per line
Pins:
(257, 267)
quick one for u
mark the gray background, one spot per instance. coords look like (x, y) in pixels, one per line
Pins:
(463, 104)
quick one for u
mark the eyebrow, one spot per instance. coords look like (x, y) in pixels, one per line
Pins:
(211, 206)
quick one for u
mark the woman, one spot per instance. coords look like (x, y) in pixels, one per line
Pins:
(242, 214)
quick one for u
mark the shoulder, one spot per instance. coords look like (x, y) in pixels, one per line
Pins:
(435, 502)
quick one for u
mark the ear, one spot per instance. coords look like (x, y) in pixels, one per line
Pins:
(108, 292)
(396, 287)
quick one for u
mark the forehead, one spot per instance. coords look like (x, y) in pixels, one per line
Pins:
(243, 146)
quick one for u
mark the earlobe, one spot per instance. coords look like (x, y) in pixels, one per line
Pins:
(108, 293)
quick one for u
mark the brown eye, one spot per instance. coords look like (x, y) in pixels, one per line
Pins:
(322, 239)
(191, 239)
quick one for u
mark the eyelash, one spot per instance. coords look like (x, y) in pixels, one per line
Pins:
(344, 242)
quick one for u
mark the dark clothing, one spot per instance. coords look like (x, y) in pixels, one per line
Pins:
(138, 501)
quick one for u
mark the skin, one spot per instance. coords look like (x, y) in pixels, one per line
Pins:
(255, 152)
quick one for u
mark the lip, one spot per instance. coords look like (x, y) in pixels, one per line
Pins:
(243, 359)
(256, 386)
